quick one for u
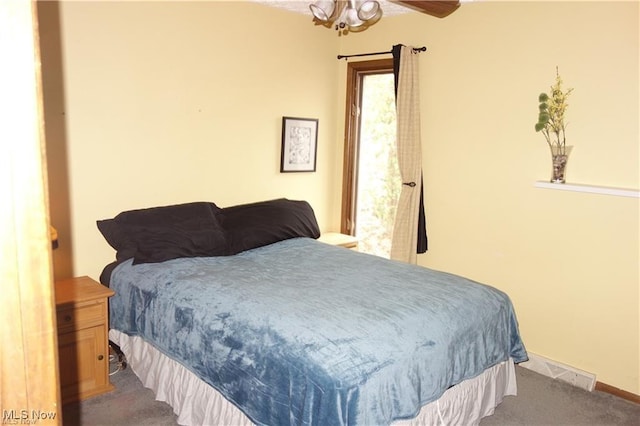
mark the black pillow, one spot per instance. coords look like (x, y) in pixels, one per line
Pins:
(163, 233)
(258, 224)
(112, 232)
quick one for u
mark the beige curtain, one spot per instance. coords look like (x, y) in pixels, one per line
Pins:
(405, 231)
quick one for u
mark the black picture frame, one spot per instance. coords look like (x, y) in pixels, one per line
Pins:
(299, 144)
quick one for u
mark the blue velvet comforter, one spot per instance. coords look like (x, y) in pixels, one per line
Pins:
(301, 332)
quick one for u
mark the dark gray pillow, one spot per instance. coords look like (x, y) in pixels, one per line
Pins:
(258, 224)
(163, 233)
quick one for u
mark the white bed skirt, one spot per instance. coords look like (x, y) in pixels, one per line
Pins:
(197, 403)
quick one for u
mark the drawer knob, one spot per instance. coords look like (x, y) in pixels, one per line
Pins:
(100, 357)
(67, 318)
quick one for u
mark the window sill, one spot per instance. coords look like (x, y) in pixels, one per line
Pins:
(621, 192)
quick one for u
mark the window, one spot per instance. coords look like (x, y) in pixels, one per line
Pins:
(371, 182)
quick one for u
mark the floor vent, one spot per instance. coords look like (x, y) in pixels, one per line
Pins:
(556, 370)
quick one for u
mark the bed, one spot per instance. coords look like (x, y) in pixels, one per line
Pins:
(240, 316)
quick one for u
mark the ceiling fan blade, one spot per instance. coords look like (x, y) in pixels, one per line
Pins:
(437, 8)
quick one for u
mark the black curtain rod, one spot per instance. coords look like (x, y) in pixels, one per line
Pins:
(415, 50)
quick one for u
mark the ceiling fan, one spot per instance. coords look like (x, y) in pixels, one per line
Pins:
(357, 15)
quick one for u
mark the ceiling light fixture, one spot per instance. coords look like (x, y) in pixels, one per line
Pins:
(346, 15)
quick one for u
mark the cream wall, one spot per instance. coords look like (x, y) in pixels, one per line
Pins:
(147, 112)
(171, 102)
(569, 261)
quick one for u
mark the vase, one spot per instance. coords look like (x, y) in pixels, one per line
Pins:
(559, 158)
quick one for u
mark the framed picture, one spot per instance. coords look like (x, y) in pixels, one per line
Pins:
(299, 144)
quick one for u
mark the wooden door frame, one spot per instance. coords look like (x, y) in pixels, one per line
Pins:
(355, 72)
(28, 357)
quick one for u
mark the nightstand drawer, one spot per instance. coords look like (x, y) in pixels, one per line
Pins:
(74, 317)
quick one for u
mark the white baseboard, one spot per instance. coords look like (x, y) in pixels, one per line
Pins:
(556, 370)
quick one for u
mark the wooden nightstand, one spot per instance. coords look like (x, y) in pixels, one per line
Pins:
(83, 345)
(337, 239)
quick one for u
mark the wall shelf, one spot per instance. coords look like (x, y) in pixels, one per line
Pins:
(621, 192)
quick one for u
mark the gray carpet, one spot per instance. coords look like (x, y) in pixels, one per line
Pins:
(540, 401)
(544, 401)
